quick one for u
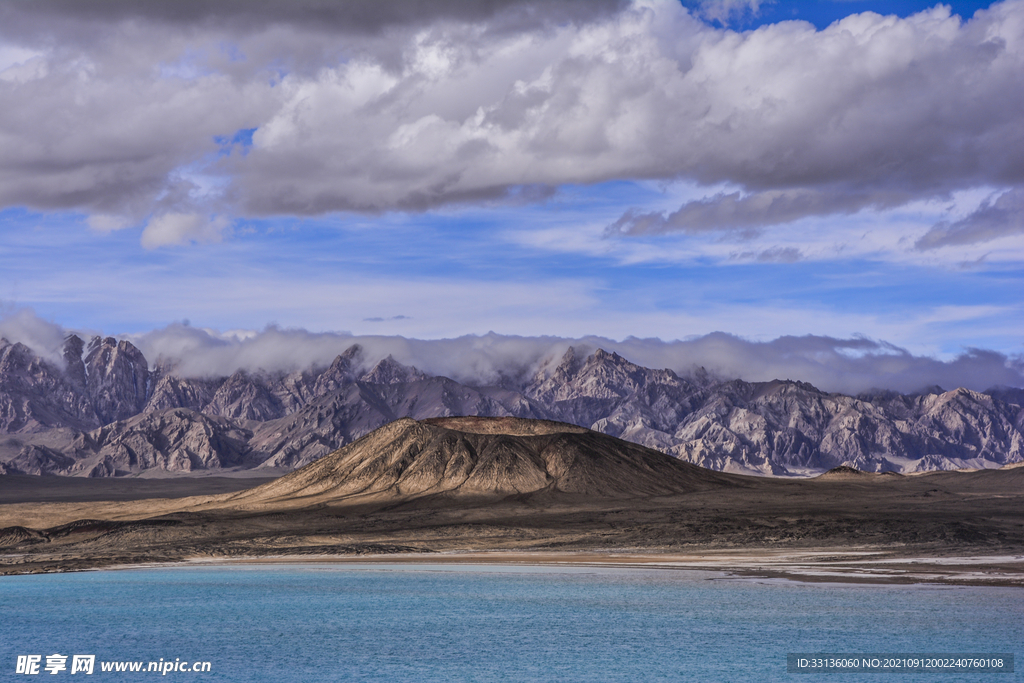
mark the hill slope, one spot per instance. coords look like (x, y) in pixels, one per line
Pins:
(486, 457)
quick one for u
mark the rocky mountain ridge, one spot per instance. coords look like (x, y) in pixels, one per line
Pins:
(107, 412)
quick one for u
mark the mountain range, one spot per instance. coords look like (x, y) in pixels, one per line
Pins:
(105, 410)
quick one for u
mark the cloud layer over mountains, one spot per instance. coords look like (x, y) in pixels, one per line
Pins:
(179, 114)
(840, 365)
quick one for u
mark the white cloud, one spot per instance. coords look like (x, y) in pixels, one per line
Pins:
(45, 338)
(834, 364)
(13, 55)
(28, 69)
(104, 222)
(872, 111)
(183, 228)
(980, 230)
(846, 365)
(453, 104)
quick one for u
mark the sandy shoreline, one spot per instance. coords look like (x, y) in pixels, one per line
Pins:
(815, 566)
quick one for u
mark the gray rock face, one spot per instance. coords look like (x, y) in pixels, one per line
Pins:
(612, 395)
(295, 390)
(322, 426)
(74, 370)
(783, 427)
(174, 440)
(245, 397)
(36, 396)
(107, 414)
(255, 396)
(341, 373)
(175, 392)
(390, 371)
(39, 460)
(338, 418)
(117, 378)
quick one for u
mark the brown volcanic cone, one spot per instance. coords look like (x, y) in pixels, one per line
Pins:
(486, 456)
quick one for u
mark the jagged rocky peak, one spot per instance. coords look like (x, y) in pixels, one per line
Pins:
(566, 367)
(390, 371)
(546, 380)
(117, 377)
(957, 400)
(73, 347)
(569, 365)
(35, 395)
(14, 357)
(107, 357)
(171, 391)
(341, 372)
(613, 373)
(247, 397)
(782, 389)
(602, 375)
(74, 365)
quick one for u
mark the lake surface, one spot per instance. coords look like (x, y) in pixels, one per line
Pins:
(424, 623)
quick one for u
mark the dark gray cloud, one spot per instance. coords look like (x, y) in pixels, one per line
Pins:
(117, 107)
(1001, 217)
(348, 16)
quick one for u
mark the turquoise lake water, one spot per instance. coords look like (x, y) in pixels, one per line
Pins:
(487, 623)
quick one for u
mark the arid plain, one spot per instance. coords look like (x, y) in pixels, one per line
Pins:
(455, 490)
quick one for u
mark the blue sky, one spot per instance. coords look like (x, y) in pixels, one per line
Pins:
(642, 169)
(821, 13)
